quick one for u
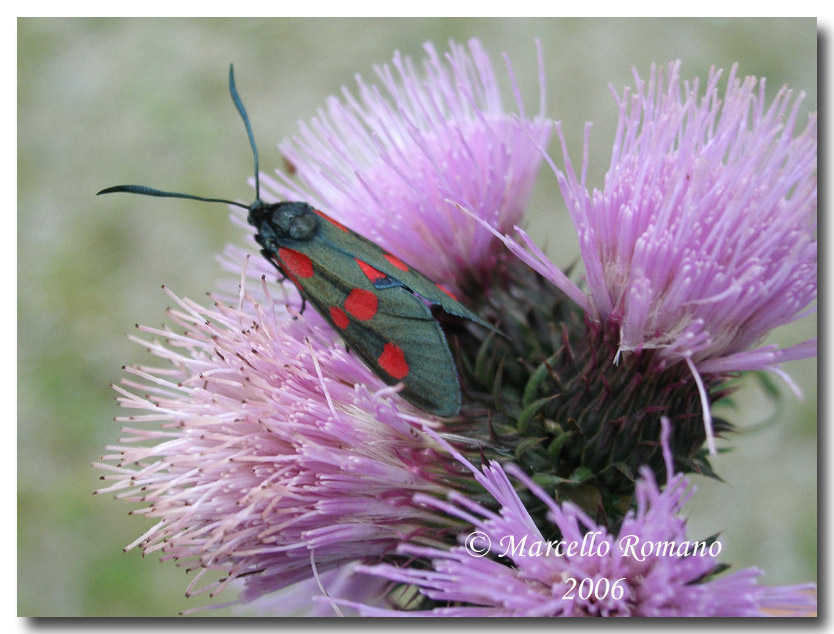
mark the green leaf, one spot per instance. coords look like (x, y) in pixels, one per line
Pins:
(525, 445)
(530, 411)
(555, 447)
(548, 481)
(482, 359)
(581, 474)
(496, 386)
(623, 468)
(532, 386)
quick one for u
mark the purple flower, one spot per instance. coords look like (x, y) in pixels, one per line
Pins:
(342, 583)
(279, 452)
(649, 567)
(386, 162)
(703, 237)
(264, 450)
(276, 450)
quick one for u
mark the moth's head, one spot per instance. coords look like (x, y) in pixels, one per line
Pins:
(294, 220)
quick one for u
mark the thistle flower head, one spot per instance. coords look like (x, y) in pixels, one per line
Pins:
(276, 448)
(639, 570)
(341, 583)
(280, 457)
(280, 451)
(702, 239)
(386, 162)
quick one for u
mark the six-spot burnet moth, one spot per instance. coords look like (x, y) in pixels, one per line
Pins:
(374, 300)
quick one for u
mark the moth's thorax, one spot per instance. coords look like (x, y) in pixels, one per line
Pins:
(276, 221)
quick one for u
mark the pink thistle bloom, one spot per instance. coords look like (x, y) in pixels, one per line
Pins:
(386, 162)
(278, 451)
(342, 583)
(703, 237)
(631, 574)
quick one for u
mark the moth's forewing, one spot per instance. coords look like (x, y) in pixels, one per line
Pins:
(343, 239)
(390, 329)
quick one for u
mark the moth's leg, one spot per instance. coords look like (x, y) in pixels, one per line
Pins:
(268, 257)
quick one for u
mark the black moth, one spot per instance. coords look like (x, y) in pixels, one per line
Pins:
(374, 300)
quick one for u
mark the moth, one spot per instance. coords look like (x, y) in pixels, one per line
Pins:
(375, 301)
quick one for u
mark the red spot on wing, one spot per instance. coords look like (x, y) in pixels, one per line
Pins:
(361, 304)
(296, 263)
(370, 272)
(392, 360)
(339, 317)
(447, 291)
(395, 261)
(329, 219)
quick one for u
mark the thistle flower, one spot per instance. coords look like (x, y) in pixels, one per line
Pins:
(343, 583)
(277, 450)
(386, 162)
(282, 458)
(280, 453)
(703, 237)
(509, 567)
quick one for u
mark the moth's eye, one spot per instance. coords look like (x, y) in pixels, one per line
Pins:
(304, 226)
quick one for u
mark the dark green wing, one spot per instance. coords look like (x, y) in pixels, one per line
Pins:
(392, 342)
(390, 329)
(340, 238)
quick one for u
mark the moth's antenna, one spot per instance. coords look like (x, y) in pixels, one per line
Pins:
(149, 191)
(245, 117)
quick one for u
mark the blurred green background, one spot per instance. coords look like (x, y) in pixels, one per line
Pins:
(108, 101)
